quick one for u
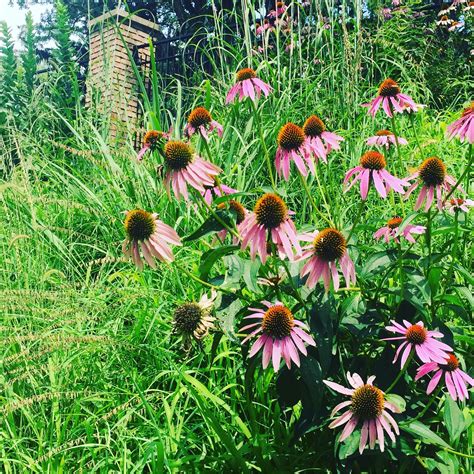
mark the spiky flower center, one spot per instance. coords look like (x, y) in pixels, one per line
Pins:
(139, 224)
(469, 110)
(187, 317)
(416, 334)
(329, 245)
(444, 18)
(290, 136)
(271, 211)
(280, 4)
(237, 208)
(373, 160)
(178, 155)
(199, 116)
(432, 171)
(394, 222)
(456, 201)
(246, 73)
(367, 402)
(452, 363)
(278, 322)
(314, 126)
(383, 133)
(389, 88)
(152, 137)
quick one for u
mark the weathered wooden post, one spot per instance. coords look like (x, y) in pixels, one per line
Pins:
(111, 82)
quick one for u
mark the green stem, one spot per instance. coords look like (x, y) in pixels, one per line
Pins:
(400, 269)
(312, 201)
(397, 144)
(357, 219)
(218, 219)
(425, 409)
(465, 172)
(415, 133)
(399, 153)
(264, 145)
(402, 372)
(457, 453)
(290, 278)
(454, 252)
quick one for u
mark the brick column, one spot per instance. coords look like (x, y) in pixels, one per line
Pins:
(111, 82)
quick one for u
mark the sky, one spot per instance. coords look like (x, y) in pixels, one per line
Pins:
(15, 17)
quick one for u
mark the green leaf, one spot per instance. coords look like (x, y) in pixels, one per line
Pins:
(211, 224)
(424, 434)
(453, 419)
(349, 445)
(251, 268)
(210, 257)
(398, 401)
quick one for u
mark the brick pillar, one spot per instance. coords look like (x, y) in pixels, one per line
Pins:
(111, 82)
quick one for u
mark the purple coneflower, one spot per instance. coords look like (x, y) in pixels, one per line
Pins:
(454, 378)
(463, 128)
(147, 233)
(239, 213)
(385, 138)
(368, 406)
(318, 141)
(282, 335)
(434, 180)
(151, 141)
(372, 170)
(269, 220)
(200, 120)
(280, 9)
(194, 320)
(247, 85)
(390, 231)
(216, 190)
(416, 337)
(458, 204)
(328, 247)
(183, 167)
(391, 99)
(291, 147)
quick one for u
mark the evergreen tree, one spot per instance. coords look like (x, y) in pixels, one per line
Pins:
(66, 86)
(28, 57)
(8, 68)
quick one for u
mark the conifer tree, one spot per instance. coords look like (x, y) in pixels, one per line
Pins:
(28, 56)
(8, 68)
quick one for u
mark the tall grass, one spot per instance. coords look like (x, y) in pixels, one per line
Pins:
(93, 379)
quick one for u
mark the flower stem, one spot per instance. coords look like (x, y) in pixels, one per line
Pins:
(400, 269)
(425, 409)
(400, 161)
(415, 133)
(357, 219)
(454, 252)
(218, 219)
(397, 144)
(464, 173)
(264, 145)
(402, 371)
(312, 201)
